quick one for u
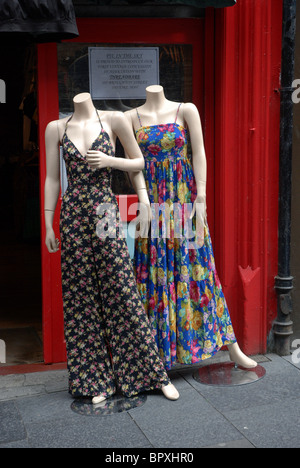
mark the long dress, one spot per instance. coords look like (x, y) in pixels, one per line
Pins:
(177, 280)
(110, 344)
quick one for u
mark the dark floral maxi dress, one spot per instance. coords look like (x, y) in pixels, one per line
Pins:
(109, 340)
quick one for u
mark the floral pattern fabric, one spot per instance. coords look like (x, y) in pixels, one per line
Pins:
(110, 344)
(177, 280)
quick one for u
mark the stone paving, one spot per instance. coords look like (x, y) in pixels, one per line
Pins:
(36, 411)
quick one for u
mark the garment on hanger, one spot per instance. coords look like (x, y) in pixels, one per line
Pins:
(177, 280)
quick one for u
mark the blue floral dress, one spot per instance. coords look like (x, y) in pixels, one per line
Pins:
(177, 279)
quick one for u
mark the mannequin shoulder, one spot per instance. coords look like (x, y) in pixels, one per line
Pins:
(130, 115)
(119, 120)
(56, 125)
(190, 110)
(55, 130)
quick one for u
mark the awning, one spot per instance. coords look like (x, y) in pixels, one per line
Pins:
(137, 3)
(38, 20)
(200, 3)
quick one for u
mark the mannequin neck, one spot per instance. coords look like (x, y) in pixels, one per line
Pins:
(84, 108)
(156, 98)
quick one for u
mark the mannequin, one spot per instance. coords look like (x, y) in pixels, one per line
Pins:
(157, 117)
(107, 333)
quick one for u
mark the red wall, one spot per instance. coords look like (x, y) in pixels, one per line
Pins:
(247, 110)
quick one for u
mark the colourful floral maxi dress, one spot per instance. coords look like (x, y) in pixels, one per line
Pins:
(110, 342)
(177, 279)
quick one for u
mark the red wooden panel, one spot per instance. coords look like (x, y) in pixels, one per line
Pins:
(53, 334)
(248, 57)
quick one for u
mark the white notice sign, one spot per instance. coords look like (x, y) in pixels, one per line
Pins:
(122, 73)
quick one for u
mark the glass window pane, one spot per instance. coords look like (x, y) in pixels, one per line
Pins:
(176, 74)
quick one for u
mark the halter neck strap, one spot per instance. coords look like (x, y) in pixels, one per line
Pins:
(73, 116)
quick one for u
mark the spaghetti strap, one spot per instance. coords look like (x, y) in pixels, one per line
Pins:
(99, 118)
(178, 112)
(67, 123)
(139, 117)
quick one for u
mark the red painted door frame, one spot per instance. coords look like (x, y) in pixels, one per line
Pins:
(167, 31)
(248, 63)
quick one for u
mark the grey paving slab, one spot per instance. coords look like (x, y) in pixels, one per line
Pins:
(190, 422)
(18, 386)
(20, 392)
(11, 425)
(46, 408)
(11, 381)
(116, 431)
(18, 444)
(294, 358)
(52, 381)
(241, 443)
(281, 382)
(270, 426)
(35, 411)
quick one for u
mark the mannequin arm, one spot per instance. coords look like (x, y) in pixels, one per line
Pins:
(134, 163)
(52, 183)
(192, 118)
(137, 178)
(138, 182)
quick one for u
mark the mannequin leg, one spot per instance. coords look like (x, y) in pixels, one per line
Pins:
(170, 392)
(97, 400)
(237, 356)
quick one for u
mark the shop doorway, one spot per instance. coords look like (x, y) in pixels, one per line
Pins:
(184, 46)
(20, 258)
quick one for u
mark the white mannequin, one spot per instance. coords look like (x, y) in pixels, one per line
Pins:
(83, 129)
(157, 110)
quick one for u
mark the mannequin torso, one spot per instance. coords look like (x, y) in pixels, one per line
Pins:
(83, 128)
(157, 110)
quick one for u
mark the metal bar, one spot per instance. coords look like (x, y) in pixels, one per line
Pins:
(283, 326)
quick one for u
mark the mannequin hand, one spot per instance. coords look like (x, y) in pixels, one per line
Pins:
(51, 242)
(98, 160)
(144, 220)
(199, 209)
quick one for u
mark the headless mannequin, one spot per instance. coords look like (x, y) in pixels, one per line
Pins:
(83, 129)
(158, 110)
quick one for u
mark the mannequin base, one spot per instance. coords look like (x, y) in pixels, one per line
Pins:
(228, 374)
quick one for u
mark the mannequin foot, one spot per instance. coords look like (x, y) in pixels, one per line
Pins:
(98, 399)
(237, 356)
(170, 392)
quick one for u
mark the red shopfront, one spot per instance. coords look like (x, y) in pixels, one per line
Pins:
(231, 62)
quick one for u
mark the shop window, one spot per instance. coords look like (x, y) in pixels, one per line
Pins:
(175, 75)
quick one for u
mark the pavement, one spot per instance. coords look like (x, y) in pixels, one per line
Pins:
(36, 411)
